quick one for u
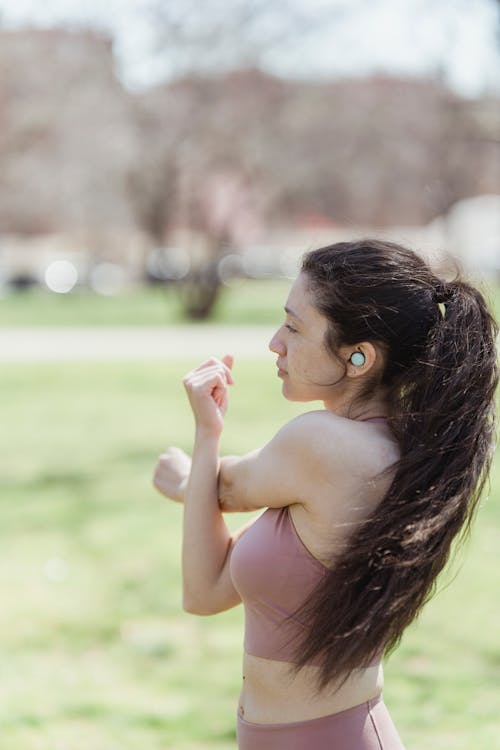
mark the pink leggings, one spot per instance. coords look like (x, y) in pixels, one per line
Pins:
(364, 727)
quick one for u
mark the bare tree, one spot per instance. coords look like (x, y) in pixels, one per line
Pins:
(216, 36)
(201, 42)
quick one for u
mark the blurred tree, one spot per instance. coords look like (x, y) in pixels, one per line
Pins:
(207, 143)
(214, 155)
(377, 151)
(217, 36)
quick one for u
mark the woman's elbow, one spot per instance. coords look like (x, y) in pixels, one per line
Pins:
(231, 499)
(225, 483)
(225, 495)
(197, 607)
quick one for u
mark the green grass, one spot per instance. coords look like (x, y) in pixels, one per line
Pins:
(249, 301)
(96, 650)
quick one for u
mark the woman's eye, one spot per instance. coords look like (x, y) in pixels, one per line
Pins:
(292, 330)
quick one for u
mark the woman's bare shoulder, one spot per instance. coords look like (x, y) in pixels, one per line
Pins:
(347, 459)
(317, 449)
(340, 443)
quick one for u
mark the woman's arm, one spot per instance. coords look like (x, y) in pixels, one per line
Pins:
(170, 478)
(303, 451)
(207, 542)
(277, 474)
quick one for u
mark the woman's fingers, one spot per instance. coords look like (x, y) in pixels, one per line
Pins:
(171, 472)
(228, 360)
(209, 371)
(226, 363)
(207, 390)
(207, 384)
(204, 376)
(207, 381)
(174, 454)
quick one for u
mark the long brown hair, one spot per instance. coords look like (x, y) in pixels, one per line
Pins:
(440, 375)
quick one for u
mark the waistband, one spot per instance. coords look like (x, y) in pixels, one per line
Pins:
(330, 719)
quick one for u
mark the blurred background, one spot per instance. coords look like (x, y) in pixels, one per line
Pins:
(174, 143)
(163, 166)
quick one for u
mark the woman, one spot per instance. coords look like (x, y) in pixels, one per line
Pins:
(363, 497)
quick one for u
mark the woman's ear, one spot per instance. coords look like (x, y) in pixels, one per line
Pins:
(365, 357)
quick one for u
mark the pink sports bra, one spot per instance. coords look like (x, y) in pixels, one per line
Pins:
(274, 573)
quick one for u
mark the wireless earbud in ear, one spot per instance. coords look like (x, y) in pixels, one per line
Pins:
(357, 359)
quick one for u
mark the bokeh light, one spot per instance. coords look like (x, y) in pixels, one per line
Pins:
(61, 276)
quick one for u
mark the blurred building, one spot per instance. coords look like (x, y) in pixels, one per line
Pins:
(241, 163)
(68, 144)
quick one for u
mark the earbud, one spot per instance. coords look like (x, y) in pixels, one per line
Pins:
(357, 359)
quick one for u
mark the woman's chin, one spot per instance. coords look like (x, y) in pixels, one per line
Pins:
(286, 392)
(290, 395)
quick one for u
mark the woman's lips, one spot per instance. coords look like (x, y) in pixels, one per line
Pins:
(281, 372)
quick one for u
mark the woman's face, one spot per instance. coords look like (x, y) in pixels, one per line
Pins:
(305, 366)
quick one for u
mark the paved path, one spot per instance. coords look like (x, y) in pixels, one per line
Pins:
(139, 343)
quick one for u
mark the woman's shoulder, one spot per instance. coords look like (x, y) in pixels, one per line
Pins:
(345, 462)
(328, 423)
(310, 422)
(340, 443)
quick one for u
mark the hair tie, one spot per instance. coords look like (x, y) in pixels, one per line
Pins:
(442, 295)
(442, 292)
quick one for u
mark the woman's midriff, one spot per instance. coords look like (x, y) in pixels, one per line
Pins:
(272, 694)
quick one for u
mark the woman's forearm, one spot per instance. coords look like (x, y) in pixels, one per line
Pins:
(222, 485)
(206, 538)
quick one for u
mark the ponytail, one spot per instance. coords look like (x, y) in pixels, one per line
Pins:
(441, 377)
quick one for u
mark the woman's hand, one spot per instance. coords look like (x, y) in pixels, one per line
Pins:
(171, 473)
(207, 390)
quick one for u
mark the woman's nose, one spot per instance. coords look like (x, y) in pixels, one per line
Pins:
(276, 345)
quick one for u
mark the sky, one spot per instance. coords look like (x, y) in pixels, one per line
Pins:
(459, 39)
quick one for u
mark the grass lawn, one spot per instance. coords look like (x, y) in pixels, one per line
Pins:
(249, 301)
(96, 651)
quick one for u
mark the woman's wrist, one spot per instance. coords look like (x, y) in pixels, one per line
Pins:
(206, 434)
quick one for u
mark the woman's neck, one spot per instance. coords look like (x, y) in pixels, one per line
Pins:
(349, 409)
